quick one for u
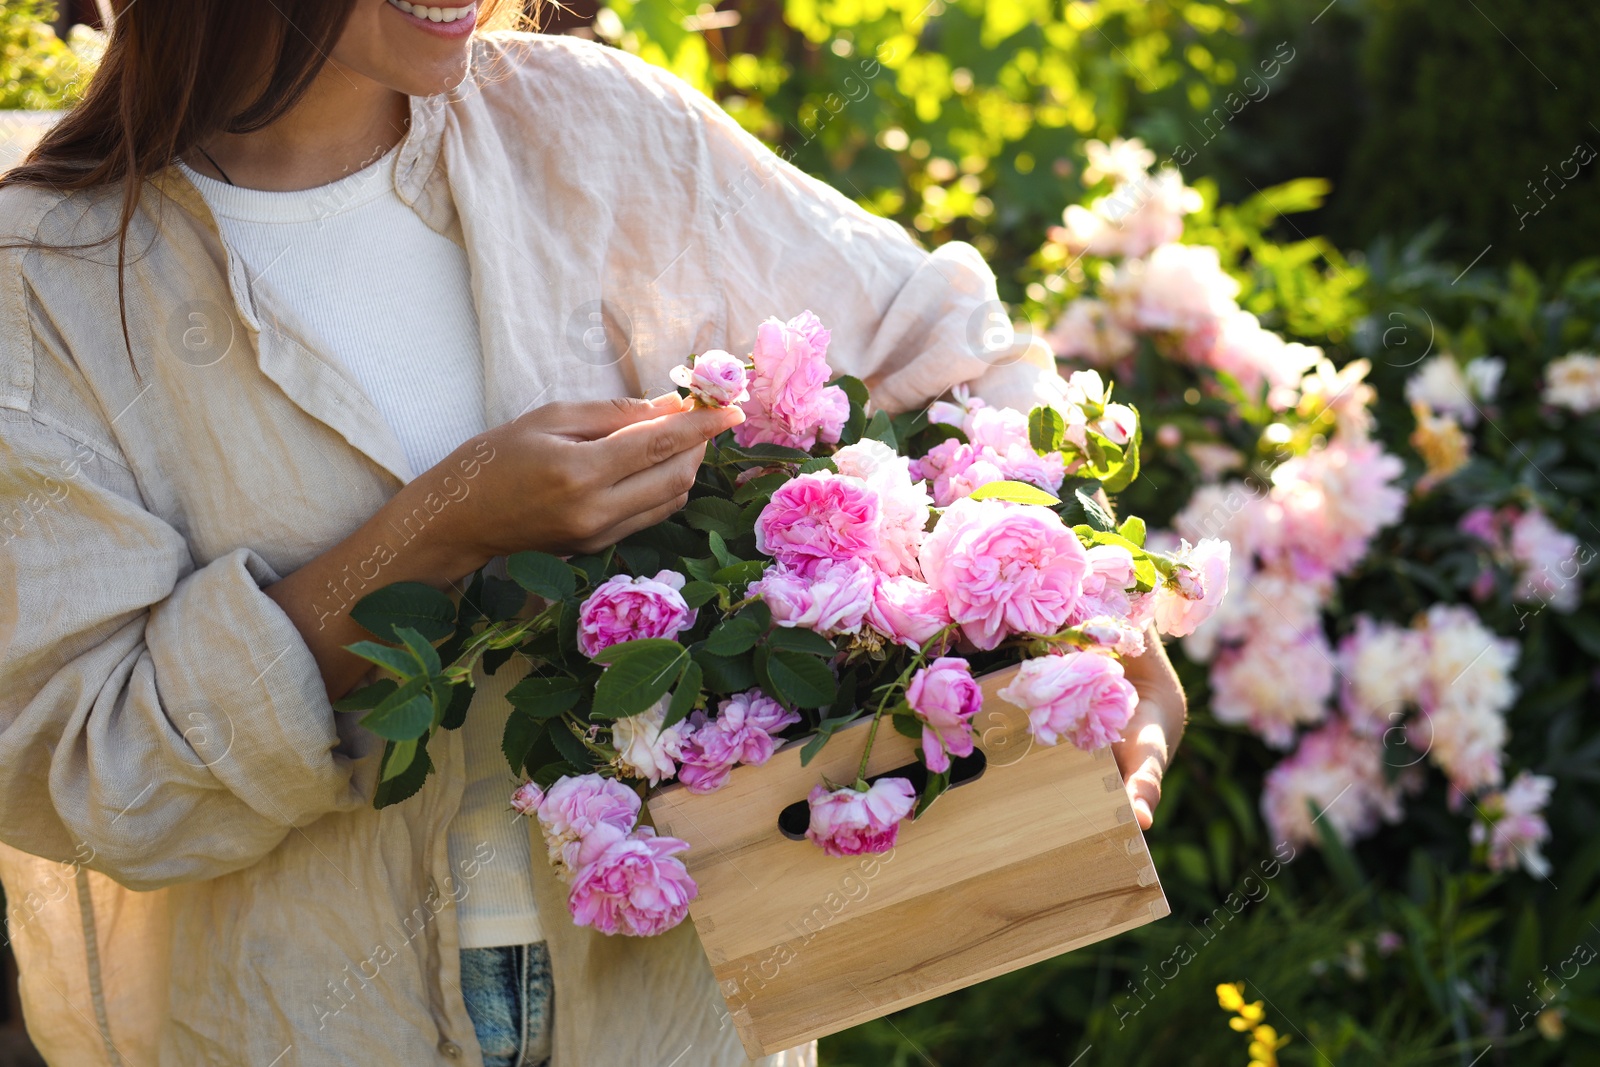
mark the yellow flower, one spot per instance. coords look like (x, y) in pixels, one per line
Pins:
(1441, 443)
(1230, 996)
(1250, 1018)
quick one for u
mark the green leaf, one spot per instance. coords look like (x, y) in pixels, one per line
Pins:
(775, 453)
(800, 639)
(403, 772)
(551, 773)
(758, 612)
(698, 594)
(1046, 429)
(824, 730)
(521, 733)
(760, 486)
(640, 559)
(685, 695)
(733, 636)
(635, 680)
(726, 674)
(799, 679)
(401, 717)
(567, 626)
(881, 428)
(545, 698)
(367, 697)
(938, 782)
(1132, 528)
(420, 607)
(570, 747)
(1098, 517)
(700, 570)
(713, 515)
(908, 424)
(624, 649)
(595, 568)
(397, 660)
(719, 550)
(501, 599)
(740, 574)
(1016, 492)
(418, 646)
(1121, 478)
(542, 575)
(907, 725)
(455, 713)
(821, 463)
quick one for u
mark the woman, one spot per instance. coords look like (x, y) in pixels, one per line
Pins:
(310, 297)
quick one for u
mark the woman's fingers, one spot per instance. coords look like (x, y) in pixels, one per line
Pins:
(1153, 731)
(655, 486)
(595, 419)
(1142, 759)
(647, 444)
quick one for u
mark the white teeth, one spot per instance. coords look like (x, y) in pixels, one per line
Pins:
(433, 14)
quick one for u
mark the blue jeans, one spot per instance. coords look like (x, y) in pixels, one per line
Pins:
(508, 992)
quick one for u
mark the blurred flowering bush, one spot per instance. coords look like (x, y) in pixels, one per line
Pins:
(1380, 816)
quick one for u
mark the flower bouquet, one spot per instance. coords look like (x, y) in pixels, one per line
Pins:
(835, 567)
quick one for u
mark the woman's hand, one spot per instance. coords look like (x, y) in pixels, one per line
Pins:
(568, 478)
(1152, 734)
(563, 478)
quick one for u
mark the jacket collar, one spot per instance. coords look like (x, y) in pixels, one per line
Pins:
(316, 383)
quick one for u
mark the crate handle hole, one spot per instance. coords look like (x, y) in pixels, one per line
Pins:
(794, 820)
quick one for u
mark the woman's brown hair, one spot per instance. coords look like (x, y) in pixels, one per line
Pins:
(174, 74)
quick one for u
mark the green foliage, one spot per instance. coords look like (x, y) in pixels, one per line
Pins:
(963, 119)
(37, 69)
(1474, 117)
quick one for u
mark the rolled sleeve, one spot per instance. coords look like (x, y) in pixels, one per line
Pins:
(167, 721)
(910, 322)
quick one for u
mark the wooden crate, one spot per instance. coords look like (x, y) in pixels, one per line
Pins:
(1036, 856)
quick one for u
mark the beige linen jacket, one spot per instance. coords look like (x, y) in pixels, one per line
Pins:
(193, 870)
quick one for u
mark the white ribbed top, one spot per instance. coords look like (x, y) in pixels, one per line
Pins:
(358, 276)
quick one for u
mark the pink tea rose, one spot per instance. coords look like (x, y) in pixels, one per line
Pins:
(791, 402)
(1004, 569)
(1197, 586)
(1548, 561)
(1118, 424)
(945, 697)
(831, 597)
(644, 749)
(849, 822)
(1516, 829)
(526, 798)
(1081, 696)
(997, 429)
(903, 502)
(716, 379)
(742, 732)
(955, 469)
(1109, 585)
(637, 887)
(581, 816)
(821, 516)
(627, 609)
(1343, 774)
(1113, 635)
(908, 612)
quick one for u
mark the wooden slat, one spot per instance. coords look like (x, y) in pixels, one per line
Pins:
(1037, 856)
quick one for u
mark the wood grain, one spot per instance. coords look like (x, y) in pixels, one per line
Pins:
(1037, 856)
